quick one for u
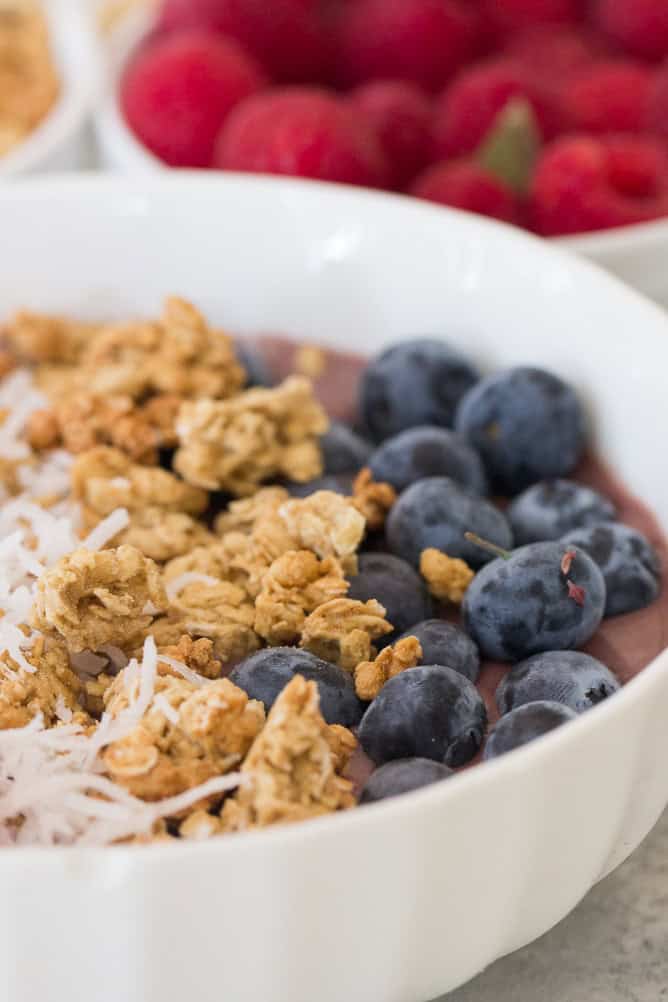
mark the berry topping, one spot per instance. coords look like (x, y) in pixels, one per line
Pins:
(464, 184)
(429, 712)
(523, 605)
(264, 675)
(421, 41)
(435, 513)
(526, 424)
(343, 450)
(177, 92)
(552, 507)
(445, 644)
(400, 113)
(402, 776)
(427, 451)
(304, 132)
(398, 588)
(414, 382)
(513, 15)
(640, 26)
(610, 97)
(629, 563)
(525, 724)
(569, 677)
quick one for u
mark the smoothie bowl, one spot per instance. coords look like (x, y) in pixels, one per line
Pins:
(412, 895)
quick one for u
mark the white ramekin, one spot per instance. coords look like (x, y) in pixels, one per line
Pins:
(60, 142)
(403, 900)
(636, 254)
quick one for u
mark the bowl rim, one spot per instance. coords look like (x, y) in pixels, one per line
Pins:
(40, 189)
(78, 57)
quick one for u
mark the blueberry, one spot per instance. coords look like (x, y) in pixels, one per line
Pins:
(343, 450)
(545, 597)
(340, 484)
(265, 674)
(257, 371)
(527, 426)
(412, 383)
(444, 643)
(438, 512)
(402, 776)
(525, 724)
(396, 586)
(552, 507)
(569, 677)
(427, 451)
(429, 712)
(629, 563)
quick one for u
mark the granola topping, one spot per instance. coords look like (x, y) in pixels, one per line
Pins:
(29, 84)
(371, 676)
(342, 631)
(447, 577)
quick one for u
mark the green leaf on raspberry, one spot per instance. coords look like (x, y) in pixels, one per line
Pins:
(510, 149)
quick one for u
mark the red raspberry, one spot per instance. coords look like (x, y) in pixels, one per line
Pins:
(467, 110)
(401, 115)
(286, 36)
(465, 185)
(552, 54)
(177, 92)
(656, 116)
(512, 15)
(611, 97)
(639, 26)
(587, 183)
(304, 132)
(422, 41)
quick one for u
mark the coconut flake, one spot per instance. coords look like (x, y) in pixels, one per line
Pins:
(105, 531)
(176, 585)
(161, 702)
(185, 671)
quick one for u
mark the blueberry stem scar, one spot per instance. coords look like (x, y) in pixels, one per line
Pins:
(485, 544)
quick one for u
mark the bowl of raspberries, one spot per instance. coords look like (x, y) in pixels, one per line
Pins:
(550, 115)
(333, 584)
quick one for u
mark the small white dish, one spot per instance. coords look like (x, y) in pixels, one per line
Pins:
(637, 254)
(60, 142)
(407, 899)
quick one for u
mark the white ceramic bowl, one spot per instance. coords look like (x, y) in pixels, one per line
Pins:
(403, 900)
(59, 143)
(636, 254)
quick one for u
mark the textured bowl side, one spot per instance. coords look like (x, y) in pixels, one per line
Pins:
(60, 142)
(402, 900)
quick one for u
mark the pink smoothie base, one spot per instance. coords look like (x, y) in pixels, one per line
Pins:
(625, 644)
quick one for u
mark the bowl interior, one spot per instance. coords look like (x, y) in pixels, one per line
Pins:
(352, 269)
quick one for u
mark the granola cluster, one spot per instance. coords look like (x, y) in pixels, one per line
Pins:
(29, 84)
(156, 424)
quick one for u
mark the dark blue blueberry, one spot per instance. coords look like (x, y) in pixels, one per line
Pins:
(437, 512)
(396, 586)
(429, 712)
(629, 563)
(341, 484)
(402, 776)
(444, 643)
(545, 597)
(265, 674)
(549, 509)
(526, 424)
(569, 677)
(414, 382)
(525, 724)
(427, 452)
(343, 450)
(257, 370)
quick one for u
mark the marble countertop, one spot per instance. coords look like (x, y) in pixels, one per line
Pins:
(612, 948)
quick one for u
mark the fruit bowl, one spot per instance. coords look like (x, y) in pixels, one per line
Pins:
(59, 142)
(408, 898)
(635, 253)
